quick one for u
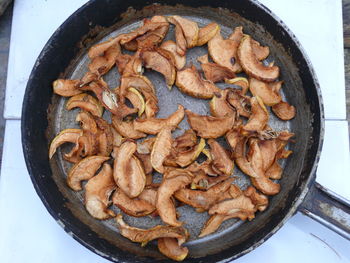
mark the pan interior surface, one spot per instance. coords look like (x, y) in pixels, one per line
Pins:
(232, 233)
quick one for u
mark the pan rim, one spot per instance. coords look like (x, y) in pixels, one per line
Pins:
(298, 199)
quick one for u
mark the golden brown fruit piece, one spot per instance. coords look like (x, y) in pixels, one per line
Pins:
(97, 192)
(241, 82)
(240, 102)
(145, 147)
(146, 235)
(221, 160)
(206, 33)
(67, 135)
(259, 200)
(161, 61)
(66, 87)
(104, 137)
(264, 91)
(137, 100)
(212, 224)
(126, 128)
(169, 247)
(203, 199)
(185, 158)
(128, 171)
(185, 141)
(136, 207)
(259, 117)
(219, 106)
(232, 137)
(208, 126)
(251, 65)
(84, 170)
(224, 52)
(180, 61)
(181, 44)
(145, 87)
(284, 110)
(240, 204)
(190, 82)
(85, 102)
(189, 29)
(172, 182)
(87, 122)
(100, 49)
(161, 148)
(154, 125)
(216, 73)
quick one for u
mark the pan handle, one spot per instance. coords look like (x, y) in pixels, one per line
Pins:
(328, 209)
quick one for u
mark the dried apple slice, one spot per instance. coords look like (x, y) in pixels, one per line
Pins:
(208, 126)
(189, 28)
(84, 170)
(190, 82)
(154, 37)
(259, 117)
(136, 207)
(219, 106)
(170, 248)
(87, 122)
(221, 160)
(146, 235)
(216, 73)
(100, 48)
(66, 87)
(224, 52)
(128, 172)
(67, 135)
(126, 128)
(144, 86)
(206, 33)
(251, 65)
(264, 91)
(104, 137)
(187, 157)
(136, 100)
(259, 200)
(239, 81)
(154, 125)
(240, 102)
(180, 61)
(170, 184)
(161, 61)
(284, 110)
(85, 102)
(203, 199)
(97, 192)
(212, 224)
(161, 148)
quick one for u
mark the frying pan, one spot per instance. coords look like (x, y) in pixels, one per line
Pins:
(64, 56)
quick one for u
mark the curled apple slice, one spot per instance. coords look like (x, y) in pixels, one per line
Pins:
(67, 135)
(161, 148)
(284, 110)
(219, 106)
(66, 87)
(206, 33)
(259, 117)
(170, 247)
(264, 91)
(189, 29)
(251, 65)
(180, 61)
(85, 102)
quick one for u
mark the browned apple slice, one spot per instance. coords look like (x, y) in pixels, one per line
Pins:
(146, 235)
(67, 135)
(219, 106)
(180, 61)
(154, 125)
(128, 172)
(203, 199)
(190, 82)
(239, 81)
(221, 160)
(251, 65)
(137, 100)
(172, 182)
(97, 192)
(161, 148)
(259, 200)
(189, 28)
(240, 102)
(84, 170)
(85, 102)
(259, 117)
(100, 48)
(185, 158)
(224, 52)
(185, 141)
(284, 110)
(136, 207)
(208, 126)
(126, 128)
(264, 91)
(66, 87)
(212, 224)
(162, 61)
(206, 33)
(170, 248)
(216, 73)
(153, 37)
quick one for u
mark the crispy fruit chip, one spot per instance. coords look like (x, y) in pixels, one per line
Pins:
(85, 102)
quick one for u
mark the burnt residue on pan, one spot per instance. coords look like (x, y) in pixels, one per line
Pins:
(234, 238)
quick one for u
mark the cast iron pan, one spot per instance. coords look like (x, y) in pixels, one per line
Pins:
(44, 116)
